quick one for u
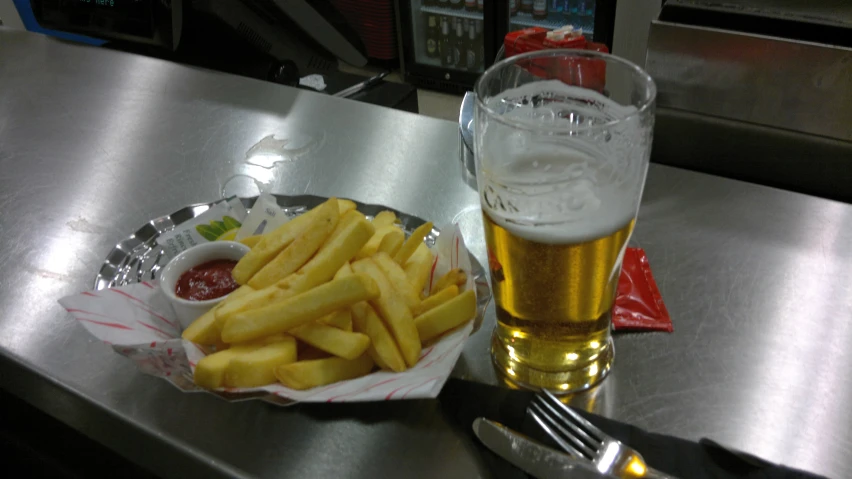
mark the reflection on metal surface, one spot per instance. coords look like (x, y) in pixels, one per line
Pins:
(828, 230)
(264, 159)
(769, 81)
(598, 399)
(244, 186)
(466, 155)
(269, 151)
(470, 224)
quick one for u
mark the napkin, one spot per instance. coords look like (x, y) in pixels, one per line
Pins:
(463, 401)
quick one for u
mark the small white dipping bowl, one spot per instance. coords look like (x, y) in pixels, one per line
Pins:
(188, 311)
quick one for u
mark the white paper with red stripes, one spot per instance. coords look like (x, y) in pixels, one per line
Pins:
(137, 320)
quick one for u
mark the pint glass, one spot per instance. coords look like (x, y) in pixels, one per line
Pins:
(562, 140)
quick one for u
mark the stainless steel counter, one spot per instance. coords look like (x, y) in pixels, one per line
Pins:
(94, 143)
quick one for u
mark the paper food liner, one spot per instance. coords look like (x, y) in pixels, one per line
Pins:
(138, 322)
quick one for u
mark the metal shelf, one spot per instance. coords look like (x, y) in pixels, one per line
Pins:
(452, 12)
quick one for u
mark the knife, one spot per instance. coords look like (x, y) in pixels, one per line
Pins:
(531, 456)
(364, 85)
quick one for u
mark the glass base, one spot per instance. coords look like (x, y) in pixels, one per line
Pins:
(519, 375)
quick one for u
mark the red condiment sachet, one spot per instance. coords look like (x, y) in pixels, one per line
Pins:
(638, 304)
(585, 72)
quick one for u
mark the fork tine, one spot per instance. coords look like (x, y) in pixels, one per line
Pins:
(567, 438)
(592, 430)
(565, 445)
(573, 429)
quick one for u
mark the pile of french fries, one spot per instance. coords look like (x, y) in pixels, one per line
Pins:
(326, 297)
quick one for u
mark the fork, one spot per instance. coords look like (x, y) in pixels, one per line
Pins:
(581, 438)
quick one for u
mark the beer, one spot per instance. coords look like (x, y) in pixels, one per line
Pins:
(540, 9)
(553, 307)
(480, 44)
(586, 15)
(456, 4)
(432, 37)
(560, 172)
(471, 48)
(459, 45)
(470, 5)
(513, 7)
(572, 15)
(527, 6)
(446, 45)
(554, 283)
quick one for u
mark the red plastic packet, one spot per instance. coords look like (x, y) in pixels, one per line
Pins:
(523, 41)
(586, 72)
(638, 304)
(577, 42)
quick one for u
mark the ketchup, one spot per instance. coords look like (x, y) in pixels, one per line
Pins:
(206, 281)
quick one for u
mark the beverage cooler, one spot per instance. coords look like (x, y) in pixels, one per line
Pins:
(446, 44)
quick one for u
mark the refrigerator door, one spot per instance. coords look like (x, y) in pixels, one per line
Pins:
(448, 34)
(435, 55)
(552, 14)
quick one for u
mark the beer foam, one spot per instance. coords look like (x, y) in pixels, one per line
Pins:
(552, 101)
(551, 186)
(557, 210)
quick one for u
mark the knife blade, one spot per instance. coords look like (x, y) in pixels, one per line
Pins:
(531, 456)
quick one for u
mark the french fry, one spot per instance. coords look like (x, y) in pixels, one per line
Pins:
(255, 298)
(266, 340)
(382, 348)
(454, 276)
(412, 243)
(257, 368)
(319, 372)
(251, 241)
(205, 329)
(351, 233)
(332, 340)
(447, 316)
(373, 243)
(435, 300)
(345, 270)
(393, 311)
(418, 267)
(398, 280)
(297, 253)
(384, 218)
(271, 244)
(306, 352)
(210, 371)
(300, 309)
(340, 319)
(345, 206)
(381, 364)
(392, 242)
(346, 221)
(274, 338)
